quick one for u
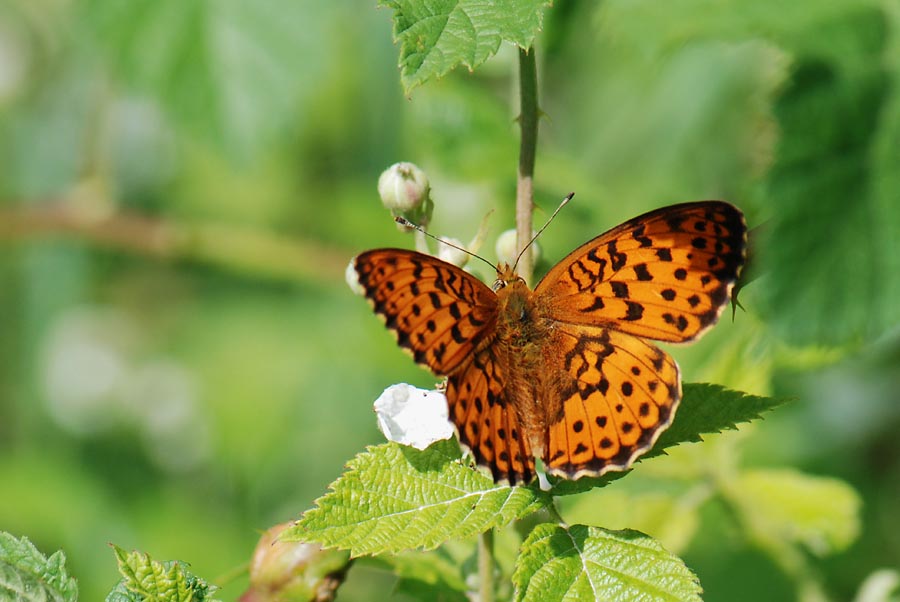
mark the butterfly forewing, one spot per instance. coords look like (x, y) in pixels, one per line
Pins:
(622, 392)
(437, 310)
(665, 275)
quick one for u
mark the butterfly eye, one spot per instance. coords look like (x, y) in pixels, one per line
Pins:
(498, 284)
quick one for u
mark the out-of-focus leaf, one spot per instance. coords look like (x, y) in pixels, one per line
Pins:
(671, 519)
(227, 70)
(820, 513)
(831, 249)
(428, 576)
(395, 498)
(803, 26)
(589, 563)
(439, 35)
(26, 575)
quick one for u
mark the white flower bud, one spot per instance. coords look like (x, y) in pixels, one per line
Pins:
(403, 187)
(352, 278)
(452, 255)
(412, 416)
(506, 248)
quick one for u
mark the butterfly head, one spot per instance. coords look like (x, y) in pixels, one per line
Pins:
(506, 275)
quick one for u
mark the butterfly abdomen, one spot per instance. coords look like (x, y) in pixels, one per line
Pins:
(522, 334)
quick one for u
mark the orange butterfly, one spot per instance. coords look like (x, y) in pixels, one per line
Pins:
(564, 372)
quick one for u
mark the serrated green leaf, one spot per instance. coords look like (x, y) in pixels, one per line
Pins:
(27, 575)
(705, 408)
(225, 70)
(822, 514)
(589, 563)
(439, 35)
(394, 498)
(153, 581)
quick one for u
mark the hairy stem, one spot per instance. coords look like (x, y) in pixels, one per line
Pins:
(528, 122)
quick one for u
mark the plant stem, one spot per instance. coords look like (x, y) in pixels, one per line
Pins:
(239, 249)
(528, 122)
(528, 118)
(486, 566)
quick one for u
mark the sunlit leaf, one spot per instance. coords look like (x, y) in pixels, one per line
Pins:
(588, 563)
(394, 498)
(439, 35)
(146, 579)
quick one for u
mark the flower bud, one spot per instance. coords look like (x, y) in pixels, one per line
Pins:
(287, 571)
(451, 254)
(506, 248)
(412, 416)
(404, 189)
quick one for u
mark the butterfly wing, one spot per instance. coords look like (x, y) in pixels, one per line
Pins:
(485, 422)
(440, 313)
(437, 311)
(665, 275)
(615, 395)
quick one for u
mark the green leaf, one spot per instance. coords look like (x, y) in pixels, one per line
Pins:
(439, 35)
(831, 193)
(671, 518)
(704, 409)
(589, 563)
(433, 575)
(394, 498)
(145, 579)
(27, 575)
(831, 246)
(822, 514)
(225, 70)
(796, 26)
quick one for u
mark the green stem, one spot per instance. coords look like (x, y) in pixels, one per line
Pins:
(253, 252)
(528, 122)
(486, 566)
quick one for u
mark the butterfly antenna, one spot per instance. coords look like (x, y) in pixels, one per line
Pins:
(405, 222)
(547, 223)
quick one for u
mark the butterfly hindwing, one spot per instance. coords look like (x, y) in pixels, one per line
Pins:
(437, 310)
(665, 275)
(622, 392)
(486, 422)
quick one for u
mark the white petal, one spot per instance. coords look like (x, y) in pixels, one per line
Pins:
(413, 416)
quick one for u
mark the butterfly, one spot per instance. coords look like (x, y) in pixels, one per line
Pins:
(565, 372)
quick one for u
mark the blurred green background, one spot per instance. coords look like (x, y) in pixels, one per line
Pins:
(182, 184)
